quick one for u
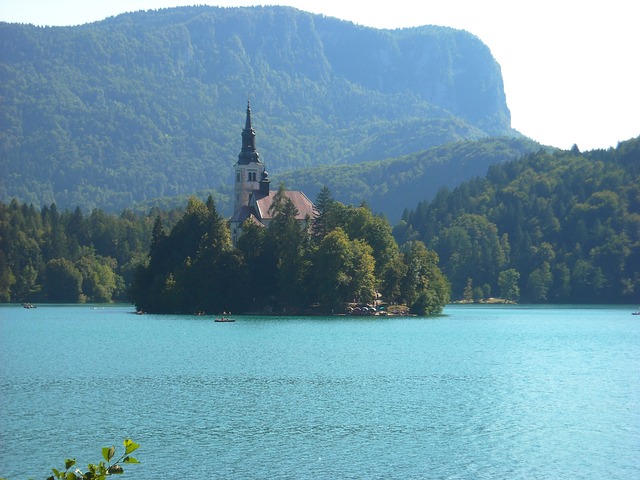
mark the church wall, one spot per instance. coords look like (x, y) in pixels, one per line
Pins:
(246, 181)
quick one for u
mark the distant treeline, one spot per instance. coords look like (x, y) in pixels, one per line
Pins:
(559, 227)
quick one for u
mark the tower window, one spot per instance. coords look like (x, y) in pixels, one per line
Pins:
(252, 176)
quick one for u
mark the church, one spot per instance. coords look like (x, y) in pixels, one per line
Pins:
(252, 193)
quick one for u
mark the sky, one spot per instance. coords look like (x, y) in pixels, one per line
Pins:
(571, 68)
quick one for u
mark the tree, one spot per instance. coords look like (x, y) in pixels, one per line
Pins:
(54, 241)
(331, 270)
(343, 270)
(7, 279)
(105, 248)
(508, 284)
(467, 293)
(157, 234)
(63, 281)
(360, 224)
(289, 240)
(27, 286)
(99, 281)
(390, 284)
(472, 248)
(426, 290)
(540, 281)
(574, 211)
(362, 264)
(260, 265)
(194, 268)
(320, 225)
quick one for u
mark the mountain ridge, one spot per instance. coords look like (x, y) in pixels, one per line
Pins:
(150, 104)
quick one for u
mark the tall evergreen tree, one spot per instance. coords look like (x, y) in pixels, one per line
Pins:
(324, 201)
(289, 239)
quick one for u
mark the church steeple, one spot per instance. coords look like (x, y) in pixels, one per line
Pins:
(248, 153)
(248, 168)
(253, 195)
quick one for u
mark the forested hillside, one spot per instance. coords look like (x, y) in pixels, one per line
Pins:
(560, 227)
(390, 186)
(553, 226)
(151, 104)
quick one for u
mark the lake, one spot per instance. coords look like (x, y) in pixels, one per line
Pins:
(495, 392)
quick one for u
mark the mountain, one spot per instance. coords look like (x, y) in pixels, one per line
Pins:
(151, 104)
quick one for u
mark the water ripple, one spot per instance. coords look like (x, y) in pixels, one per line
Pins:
(495, 393)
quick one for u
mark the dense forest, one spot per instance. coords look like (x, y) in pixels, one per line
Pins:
(149, 105)
(183, 260)
(552, 227)
(345, 255)
(47, 255)
(557, 227)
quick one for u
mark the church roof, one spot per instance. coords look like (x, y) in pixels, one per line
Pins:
(253, 219)
(248, 153)
(260, 203)
(303, 205)
(243, 213)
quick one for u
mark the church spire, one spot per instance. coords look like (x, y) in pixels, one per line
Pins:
(248, 154)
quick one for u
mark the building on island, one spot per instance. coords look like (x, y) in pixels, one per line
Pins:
(252, 193)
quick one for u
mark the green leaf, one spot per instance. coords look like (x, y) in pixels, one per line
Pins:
(108, 452)
(69, 462)
(71, 476)
(130, 446)
(56, 472)
(130, 460)
(100, 467)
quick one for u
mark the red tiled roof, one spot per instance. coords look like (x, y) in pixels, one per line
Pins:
(300, 201)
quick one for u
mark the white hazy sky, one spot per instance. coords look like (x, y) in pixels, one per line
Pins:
(571, 69)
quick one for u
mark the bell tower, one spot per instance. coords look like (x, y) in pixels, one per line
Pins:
(248, 168)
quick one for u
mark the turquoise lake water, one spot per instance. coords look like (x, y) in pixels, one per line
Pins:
(481, 392)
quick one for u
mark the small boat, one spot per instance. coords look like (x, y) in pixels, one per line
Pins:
(29, 305)
(224, 320)
(637, 312)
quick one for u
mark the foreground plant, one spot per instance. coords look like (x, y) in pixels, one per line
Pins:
(102, 469)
